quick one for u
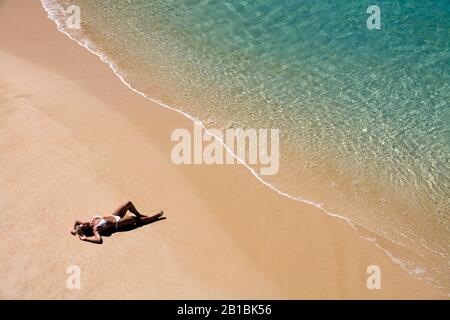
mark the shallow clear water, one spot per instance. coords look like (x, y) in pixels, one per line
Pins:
(369, 109)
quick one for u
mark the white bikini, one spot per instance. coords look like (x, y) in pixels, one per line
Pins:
(101, 225)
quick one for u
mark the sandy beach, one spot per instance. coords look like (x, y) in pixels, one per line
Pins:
(75, 142)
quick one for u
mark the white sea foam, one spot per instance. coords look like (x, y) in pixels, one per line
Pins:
(54, 10)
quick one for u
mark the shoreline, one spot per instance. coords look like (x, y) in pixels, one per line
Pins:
(194, 179)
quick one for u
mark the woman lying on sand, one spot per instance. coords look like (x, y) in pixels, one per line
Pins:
(106, 225)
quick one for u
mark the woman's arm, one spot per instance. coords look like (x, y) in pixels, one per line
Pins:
(97, 238)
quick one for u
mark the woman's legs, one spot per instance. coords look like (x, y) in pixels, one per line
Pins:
(155, 217)
(127, 206)
(132, 222)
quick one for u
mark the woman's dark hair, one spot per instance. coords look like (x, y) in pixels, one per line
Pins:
(84, 229)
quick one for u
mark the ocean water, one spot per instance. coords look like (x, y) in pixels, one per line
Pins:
(364, 114)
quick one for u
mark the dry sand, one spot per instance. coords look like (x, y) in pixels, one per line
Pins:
(75, 141)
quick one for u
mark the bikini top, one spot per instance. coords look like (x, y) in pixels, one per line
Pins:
(100, 224)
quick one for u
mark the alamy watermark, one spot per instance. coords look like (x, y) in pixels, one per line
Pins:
(73, 17)
(74, 279)
(374, 280)
(252, 146)
(374, 20)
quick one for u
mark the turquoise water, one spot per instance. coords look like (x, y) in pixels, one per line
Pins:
(370, 109)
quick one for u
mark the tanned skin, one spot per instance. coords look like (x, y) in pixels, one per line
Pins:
(110, 226)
